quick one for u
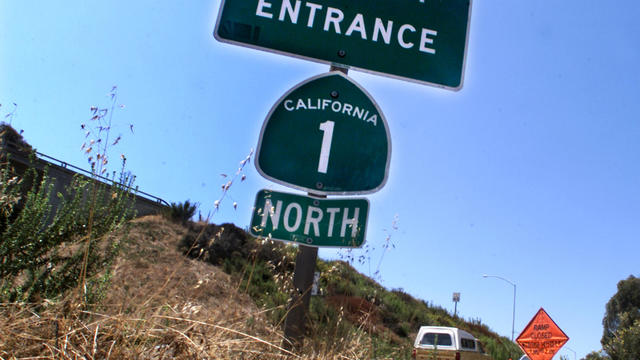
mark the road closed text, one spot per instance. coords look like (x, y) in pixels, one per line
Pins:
(334, 20)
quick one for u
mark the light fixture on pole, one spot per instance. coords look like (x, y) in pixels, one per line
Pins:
(513, 319)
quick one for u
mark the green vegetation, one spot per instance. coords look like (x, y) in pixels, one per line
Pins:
(46, 249)
(595, 355)
(57, 238)
(621, 337)
(181, 212)
(621, 323)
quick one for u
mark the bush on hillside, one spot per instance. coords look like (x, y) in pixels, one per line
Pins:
(181, 212)
(214, 243)
(46, 250)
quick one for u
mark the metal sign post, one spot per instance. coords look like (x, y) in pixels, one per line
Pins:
(294, 324)
(326, 136)
(295, 321)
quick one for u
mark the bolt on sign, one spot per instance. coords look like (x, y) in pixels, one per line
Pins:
(541, 338)
(310, 221)
(326, 136)
(417, 40)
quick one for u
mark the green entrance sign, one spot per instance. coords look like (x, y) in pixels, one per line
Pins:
(310, 221)
(417, 40)
(326, 136)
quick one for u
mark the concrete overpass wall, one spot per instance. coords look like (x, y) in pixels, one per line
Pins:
(63, 173)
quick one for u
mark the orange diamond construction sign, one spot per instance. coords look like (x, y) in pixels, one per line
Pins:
(542, 338)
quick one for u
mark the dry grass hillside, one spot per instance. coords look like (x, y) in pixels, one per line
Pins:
(159, 305)
(226, 299)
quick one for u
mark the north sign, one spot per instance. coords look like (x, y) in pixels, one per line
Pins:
(417, 40)
(310, 221)
(326, 136)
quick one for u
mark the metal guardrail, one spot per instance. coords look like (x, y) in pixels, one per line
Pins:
(76, 169)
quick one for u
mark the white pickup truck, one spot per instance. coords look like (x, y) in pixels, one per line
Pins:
(446, 343)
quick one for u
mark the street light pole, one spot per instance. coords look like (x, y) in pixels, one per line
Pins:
(573, 351)
(513, 319)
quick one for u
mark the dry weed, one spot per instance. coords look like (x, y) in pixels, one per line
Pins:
(160, 305)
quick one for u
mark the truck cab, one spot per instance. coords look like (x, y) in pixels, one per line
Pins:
(446, 343)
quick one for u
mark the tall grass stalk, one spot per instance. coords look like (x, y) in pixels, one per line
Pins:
(96, 147)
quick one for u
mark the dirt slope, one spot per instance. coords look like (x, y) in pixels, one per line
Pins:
(159, 305)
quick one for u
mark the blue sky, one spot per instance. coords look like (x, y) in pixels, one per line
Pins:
(530, 172)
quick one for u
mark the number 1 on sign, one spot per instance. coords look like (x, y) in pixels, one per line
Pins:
(327, 129)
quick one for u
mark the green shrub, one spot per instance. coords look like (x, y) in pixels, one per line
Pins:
(215, 243)
(45, 250)
(9, 196)
(181, 212)
(500, 348)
